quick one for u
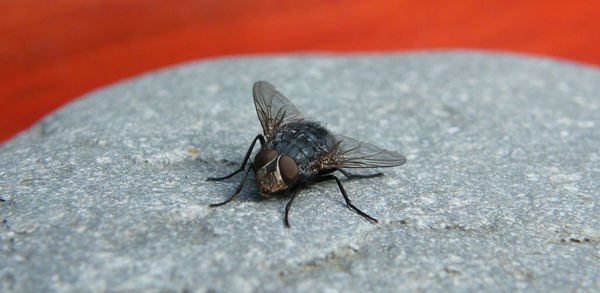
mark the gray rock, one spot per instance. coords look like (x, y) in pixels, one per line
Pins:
(500, 192)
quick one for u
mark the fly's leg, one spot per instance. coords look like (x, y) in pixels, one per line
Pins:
(237, 192)
(293, 193)
(262, 142)
(351, 176)
(348, 203)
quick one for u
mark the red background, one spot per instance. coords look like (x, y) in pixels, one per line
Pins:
(53, 51)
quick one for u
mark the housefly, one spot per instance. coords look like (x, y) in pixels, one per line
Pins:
(295, 152)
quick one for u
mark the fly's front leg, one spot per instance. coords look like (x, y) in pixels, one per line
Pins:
(293, 193)
(262, 142)
(348, 203)
(237, 192)
(351, 176)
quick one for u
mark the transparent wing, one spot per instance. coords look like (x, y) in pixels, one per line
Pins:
(351, 153)
(273, 108)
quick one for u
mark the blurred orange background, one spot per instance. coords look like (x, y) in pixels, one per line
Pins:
(54, 51)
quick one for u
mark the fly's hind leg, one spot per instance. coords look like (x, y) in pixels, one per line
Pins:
(248, 153)
(351, 176)
(348, 203)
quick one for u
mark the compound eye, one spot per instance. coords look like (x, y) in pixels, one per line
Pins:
(288, 170)
(263, 158)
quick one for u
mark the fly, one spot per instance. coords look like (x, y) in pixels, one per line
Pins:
(295, 152)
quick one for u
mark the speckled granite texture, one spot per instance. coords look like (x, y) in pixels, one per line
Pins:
(500, 192)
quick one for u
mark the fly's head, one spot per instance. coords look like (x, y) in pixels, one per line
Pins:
(274, 172)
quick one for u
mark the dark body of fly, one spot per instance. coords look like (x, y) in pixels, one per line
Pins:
(305, 142)
(296, 152)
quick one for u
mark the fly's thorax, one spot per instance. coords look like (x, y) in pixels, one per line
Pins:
(306, 142)
(274, 172)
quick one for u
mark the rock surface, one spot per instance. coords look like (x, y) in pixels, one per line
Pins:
(500, 192)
